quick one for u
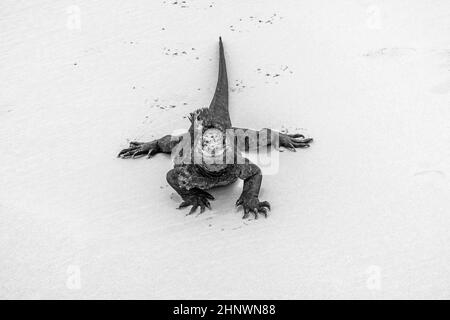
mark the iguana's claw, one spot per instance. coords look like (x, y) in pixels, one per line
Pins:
(198, 198)
(252, 204)
(135, 143)
(138, 149)
(292, 141)
(151, 153)
(296, 135)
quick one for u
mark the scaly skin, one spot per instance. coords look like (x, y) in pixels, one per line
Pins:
(191, 180)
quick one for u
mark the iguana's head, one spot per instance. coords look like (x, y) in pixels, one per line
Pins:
(208, 119)
(210, 140)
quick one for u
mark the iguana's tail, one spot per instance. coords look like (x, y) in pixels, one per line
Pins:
(219, 103)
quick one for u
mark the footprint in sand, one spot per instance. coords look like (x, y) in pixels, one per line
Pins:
(390, 52)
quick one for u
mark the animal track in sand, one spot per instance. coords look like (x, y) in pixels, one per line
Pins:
(390, 52)
(180, 4)
(238, 86)
(157, 104)
(160, 105)
(250, 22)
(174, 52)
(274, 74)
(184, 4)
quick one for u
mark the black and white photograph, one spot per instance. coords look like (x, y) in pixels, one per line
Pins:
(224, 150)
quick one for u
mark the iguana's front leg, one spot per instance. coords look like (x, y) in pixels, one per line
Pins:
(179, 179)
(252, 176)
(140, 149)
(250, 139)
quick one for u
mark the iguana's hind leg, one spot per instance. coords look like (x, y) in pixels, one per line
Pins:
(180, 178)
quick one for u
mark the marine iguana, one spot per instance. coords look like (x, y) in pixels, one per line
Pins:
(207, 155)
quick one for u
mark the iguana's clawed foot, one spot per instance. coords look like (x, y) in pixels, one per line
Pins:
(139, 149)
(253, 205)
(197, 198)
(292, 141)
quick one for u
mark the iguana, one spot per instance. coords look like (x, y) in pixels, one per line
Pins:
(207, 155)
